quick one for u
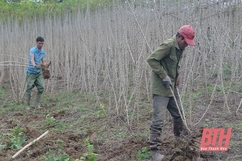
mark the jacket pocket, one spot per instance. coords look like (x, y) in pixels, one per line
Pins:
(171, 66)
(174, 58)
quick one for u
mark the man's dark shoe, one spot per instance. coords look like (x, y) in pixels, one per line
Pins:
(177, 128)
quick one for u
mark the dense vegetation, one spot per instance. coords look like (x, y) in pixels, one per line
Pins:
(29, 8)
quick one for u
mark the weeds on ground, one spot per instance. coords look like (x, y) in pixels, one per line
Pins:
(2, 92)
(59, 158)
(60, 150)
(144, 153)
(50, 121)
(15, 139)
(240, 127)
(2, 145)
(90, 155)
(101, 111)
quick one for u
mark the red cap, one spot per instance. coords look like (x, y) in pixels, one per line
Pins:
(188, 33)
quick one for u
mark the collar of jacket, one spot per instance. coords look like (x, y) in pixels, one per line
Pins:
(176, 44)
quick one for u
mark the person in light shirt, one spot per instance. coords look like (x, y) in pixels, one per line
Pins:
(34, 75)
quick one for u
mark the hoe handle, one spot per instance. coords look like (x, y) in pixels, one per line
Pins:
(29, 144)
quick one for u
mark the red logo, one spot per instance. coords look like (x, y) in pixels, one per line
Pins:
(215, 139)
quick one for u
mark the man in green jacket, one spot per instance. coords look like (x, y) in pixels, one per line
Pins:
(164, 62)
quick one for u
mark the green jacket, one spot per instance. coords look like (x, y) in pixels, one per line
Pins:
(165, 61)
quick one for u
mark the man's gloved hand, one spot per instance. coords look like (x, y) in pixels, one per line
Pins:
(167, 81)
(37, 66)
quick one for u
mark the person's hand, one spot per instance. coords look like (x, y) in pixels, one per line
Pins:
(167, 81)
(178, 80)
(37, 66)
